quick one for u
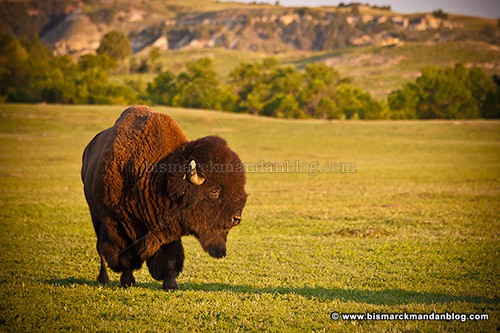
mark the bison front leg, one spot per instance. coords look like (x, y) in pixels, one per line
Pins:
(119, 261)
(167, 263)
(103, 274)
(129, 262)
(127, 279)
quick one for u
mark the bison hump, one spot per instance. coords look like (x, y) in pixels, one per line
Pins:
(139, 139)
(144, 135)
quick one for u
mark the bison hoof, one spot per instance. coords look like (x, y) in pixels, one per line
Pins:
(103, 278)
(170, 285)
(127, 280)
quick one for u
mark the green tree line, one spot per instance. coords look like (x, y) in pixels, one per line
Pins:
(29, 72)
(266, 88)
(451, 93)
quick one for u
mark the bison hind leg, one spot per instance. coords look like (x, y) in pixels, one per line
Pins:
(103, 274)
(167, 263)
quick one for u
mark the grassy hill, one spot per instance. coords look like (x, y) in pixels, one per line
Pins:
(383, 69)
(413, 229)
(379, 70)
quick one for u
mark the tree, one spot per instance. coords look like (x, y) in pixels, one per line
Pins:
(326, 109)
(116, 45)
(283, 106)
(352, 102)
(163, 88)
(320, 81)
(29, 72)
(154, 59)
(403, 103)
(268, 89)
(102, 61)
(251, 84)
(284, 92)
(13, 64)
(355, 10)
(25, 69)
(92, 83)
(491, 107)
(198, 86)
(451, 93)
(478, 83)
(440, 14)
(281, 100)
(60, 86)
(92, 87)
(39, 64)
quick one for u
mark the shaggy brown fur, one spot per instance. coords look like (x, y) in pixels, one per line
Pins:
(136, 178)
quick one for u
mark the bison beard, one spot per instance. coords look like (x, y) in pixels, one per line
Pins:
(147, 186)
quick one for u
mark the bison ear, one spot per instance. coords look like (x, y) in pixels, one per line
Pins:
(193, 175)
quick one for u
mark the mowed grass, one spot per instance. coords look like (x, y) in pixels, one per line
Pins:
(414, 229)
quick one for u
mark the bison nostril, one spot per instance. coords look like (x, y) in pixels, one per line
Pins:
(236, 219)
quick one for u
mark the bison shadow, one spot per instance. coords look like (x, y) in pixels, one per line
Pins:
(376, 297)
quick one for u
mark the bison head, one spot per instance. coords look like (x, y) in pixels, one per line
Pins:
(209, 189)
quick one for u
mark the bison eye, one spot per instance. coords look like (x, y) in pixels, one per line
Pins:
(215, 193)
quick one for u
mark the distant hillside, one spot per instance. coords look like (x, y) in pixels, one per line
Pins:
(76, 27)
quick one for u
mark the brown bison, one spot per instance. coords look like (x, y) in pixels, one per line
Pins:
(147, 186)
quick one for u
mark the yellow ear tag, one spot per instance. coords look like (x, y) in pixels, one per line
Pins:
(184, 177)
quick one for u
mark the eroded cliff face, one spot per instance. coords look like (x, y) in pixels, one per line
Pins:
(270, 29)
(76, 34)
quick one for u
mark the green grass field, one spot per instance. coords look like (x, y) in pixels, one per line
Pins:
(414, 229)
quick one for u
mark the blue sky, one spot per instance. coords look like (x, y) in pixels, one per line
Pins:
(483, 8)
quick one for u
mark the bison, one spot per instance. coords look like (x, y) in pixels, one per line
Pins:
(146, 186)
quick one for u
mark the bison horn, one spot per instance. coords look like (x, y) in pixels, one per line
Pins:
(193, 175)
